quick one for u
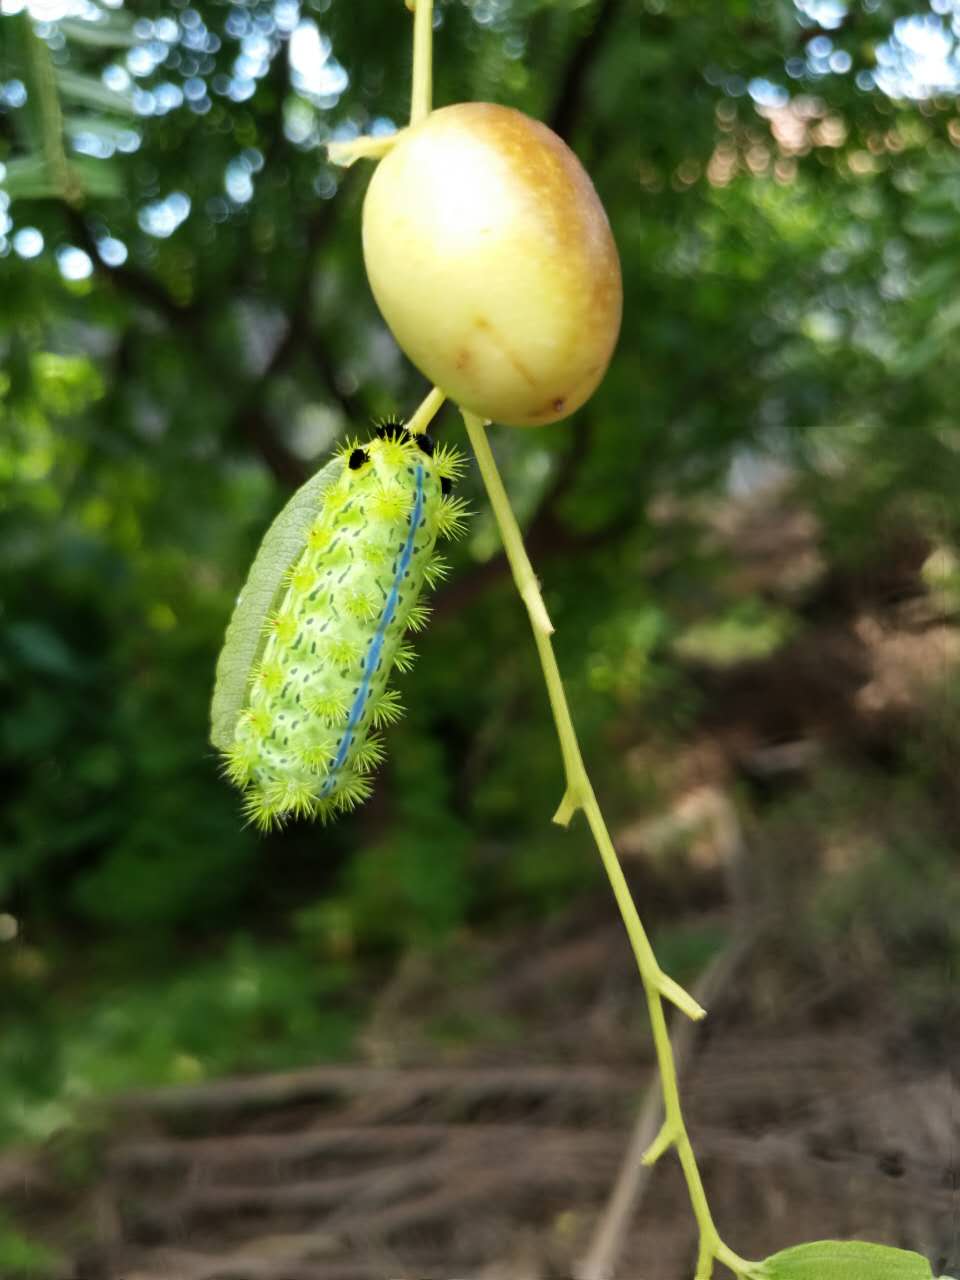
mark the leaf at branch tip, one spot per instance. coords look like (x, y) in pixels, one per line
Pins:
(281, 545)
(846, 1260)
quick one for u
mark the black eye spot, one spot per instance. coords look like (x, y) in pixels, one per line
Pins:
(425, 443)
(446, 485)
(392, 431)
(358, 458)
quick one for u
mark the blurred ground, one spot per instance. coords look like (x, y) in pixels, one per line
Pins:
(484, 1125)
(828, 1122)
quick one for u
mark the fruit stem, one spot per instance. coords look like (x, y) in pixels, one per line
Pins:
(579, 794)
(427, 411)
(350, 150)
(421, 101)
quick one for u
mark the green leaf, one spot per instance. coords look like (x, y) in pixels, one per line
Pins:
(116, 32)
(283, 542)
(31, 178)
(932, 226)
(939, 278)
(98, 177)
(846, 1260)
(39, 648)
(109, 128)
(24, 1257)
(42, 116)
(89, 92)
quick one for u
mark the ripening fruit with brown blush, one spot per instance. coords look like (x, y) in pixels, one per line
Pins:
(491, 258)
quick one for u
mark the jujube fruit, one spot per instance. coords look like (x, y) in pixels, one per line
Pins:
(492, 261)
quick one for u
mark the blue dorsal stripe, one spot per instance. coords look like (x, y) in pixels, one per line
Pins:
(372, 659)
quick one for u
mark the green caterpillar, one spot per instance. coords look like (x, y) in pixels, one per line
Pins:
(302, 681)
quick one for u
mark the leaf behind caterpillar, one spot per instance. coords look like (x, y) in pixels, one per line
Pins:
(280, 547)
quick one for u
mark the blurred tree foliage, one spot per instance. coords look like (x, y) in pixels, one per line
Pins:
(186, 330)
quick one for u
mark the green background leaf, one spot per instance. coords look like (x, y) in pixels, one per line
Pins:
(847, 1260)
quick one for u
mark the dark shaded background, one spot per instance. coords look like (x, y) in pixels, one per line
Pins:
(747, 541)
